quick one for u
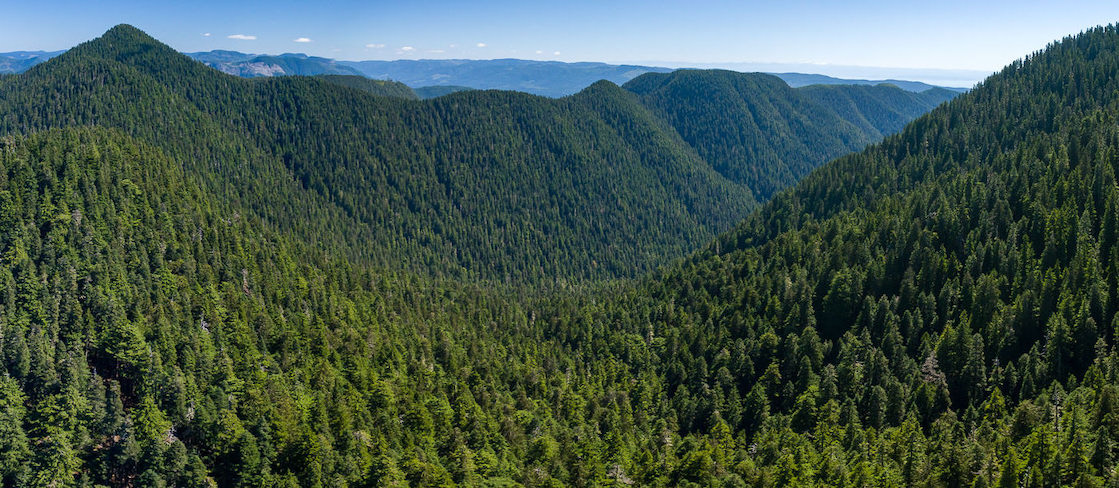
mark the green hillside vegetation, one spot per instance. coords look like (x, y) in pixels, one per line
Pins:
(480, 185)
(500, 186)
(938, 310)
(153, 335)
(797, 80)
(381, 88)
(756, 131)
(211, 281)
(426, 92)
(879, 110)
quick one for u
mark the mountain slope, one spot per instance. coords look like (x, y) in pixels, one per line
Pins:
(127, 81)
(490, 185)
(945, 300)
(477, 185)
(756, 131)
(797, 80)
(551, 78)
(381, 88)
(877, 110)
(938, 309)
(155, 334)
(426, 92)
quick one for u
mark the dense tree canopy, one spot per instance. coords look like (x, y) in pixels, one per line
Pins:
(939, 309)
(194, 291)
(384, 88)
(757, 131)
(500, 186)
(490, 185)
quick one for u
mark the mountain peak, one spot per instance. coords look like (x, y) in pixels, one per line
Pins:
(131, 46)
(121, 42)
(603, 85)
(603, 90)
(125, 36)
(123, 30)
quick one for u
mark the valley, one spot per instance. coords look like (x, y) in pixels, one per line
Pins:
(691, 278)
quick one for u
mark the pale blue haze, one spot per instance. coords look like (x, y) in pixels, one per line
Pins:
(908, 39)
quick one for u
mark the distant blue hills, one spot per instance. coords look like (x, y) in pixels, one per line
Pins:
(434, 77)
(797, 80)
(547, 78)
(20, 61)
(255, 65)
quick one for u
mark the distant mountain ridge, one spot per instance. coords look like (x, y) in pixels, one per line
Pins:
(554, 78)
(757, 131)
(546, 78)
(20, 61)
(381, 88)
(945, 299)
(483, 184)
(797, 80)
(256, 65)
(216, 281)
(496, 185)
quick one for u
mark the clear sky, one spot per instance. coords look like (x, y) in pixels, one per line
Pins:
(950, 36)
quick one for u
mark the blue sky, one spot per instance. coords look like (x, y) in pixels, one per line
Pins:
(964, 38)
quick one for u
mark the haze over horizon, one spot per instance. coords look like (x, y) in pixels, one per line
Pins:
(954, 44)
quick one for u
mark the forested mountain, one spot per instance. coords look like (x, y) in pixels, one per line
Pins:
(501, 186)
(491, 185)
(757, 131)
(154, 335)
(546, 78)
(208, 280)
(426, 92)
(937, 310)
(878, 110)
(255, 65)
(382, 88)
(553, 78)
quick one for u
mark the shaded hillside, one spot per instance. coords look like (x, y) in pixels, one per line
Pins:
(490, 185)
(180, 303)
(426, 92)
(877, 110)
(797, 80)
(756, 131)
(485, 185)
(154, 334)
(546, 78)
(946, 299)
(381, 88)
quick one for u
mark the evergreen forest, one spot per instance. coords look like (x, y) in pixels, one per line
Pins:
(688, 280)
